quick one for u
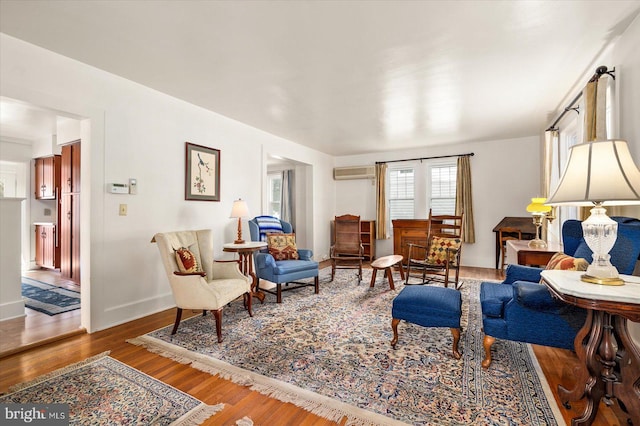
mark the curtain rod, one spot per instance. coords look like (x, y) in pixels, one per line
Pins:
(471, 154)
(600, 71)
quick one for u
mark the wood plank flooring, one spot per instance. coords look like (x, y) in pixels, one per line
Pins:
(239, 400)
(35, 327)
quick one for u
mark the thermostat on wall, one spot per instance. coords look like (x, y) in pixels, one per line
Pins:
(118, 188)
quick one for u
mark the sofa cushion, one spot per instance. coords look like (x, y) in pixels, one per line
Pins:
(284, 267)
(282, 246)
(567, 263)
(437, 254)
(186, 260)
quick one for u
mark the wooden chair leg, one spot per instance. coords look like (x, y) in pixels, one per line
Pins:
(247, 299)
(486, 343)
(316, 284)
(178, 318)
(455, 332)
(394, 326)
(279, 293)
(217, 314)
(333, 269)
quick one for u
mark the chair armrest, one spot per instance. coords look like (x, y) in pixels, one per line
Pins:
(226, 270)
(536, 296)
(264, 260)
(522, 273)
(305, 254)
(183, 274)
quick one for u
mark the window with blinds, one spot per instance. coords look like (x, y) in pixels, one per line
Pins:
(443, 189)
(401, 193)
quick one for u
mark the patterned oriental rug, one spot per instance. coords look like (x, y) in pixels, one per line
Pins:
(330, 354)
(104, 391)
(47, 298)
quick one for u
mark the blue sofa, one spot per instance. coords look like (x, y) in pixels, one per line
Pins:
(285, 272)
(523, 310)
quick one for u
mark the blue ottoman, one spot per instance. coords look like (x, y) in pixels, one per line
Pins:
(428, 307)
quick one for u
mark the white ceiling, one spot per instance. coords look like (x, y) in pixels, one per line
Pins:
(343, 77)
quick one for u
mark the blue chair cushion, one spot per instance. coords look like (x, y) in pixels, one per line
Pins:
(284, 267)
(428, 306)
(493, 297)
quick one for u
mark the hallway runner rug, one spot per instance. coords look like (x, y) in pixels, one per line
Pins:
(103, 391)
(330, 354)
(47, 298)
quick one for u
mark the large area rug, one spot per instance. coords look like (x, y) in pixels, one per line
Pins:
(47, 298)
(330, 354)
(104, 391)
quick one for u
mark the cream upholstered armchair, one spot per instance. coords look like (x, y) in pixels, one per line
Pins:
(197, 281)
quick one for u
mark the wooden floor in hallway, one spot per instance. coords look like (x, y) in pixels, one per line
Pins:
(36, 328)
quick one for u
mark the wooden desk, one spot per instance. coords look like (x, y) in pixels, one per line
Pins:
(519, 252)
(609, 360)
(245, 252)
(525, 224)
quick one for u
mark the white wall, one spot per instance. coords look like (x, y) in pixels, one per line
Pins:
(134, 132)
(505, 175)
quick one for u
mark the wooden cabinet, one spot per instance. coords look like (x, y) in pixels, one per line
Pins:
(70, 173)
(47, 177)
(69, 208)
(47, 247)
(367, 235)
(409, 231)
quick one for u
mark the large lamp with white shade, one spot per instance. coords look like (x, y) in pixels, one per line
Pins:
(599, 174)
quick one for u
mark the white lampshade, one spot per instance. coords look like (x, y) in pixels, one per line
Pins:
(600, 171)
(239, 209)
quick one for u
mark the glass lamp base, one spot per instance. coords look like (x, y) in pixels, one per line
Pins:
(604, 281)
(537, 244)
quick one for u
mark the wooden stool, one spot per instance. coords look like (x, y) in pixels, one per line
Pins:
(386, 263)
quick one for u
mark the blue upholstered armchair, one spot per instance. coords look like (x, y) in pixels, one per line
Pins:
(522, 309)
(281, 272)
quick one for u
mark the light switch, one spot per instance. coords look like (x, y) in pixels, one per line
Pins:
(123, 209)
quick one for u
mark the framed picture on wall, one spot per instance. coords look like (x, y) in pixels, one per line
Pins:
(202, 180)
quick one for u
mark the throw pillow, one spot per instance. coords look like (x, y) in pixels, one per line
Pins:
(567, 263)
(282, 246)
(437, 254)
(186, 261)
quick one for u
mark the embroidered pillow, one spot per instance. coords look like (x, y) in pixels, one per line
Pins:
(268, 225)
(186, 261)
(282, 246)
(437, 254)
(567, 263)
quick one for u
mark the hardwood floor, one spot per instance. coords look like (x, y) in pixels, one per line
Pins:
(239, 400)
(37, 328)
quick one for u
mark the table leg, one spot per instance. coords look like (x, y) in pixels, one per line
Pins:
(580, 371)
(390, 277)
(401, 271)
(373, 277)
(246, 265)
(627, 390)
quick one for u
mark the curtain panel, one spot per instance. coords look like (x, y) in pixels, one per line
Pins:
(464, 199)
(381, 202)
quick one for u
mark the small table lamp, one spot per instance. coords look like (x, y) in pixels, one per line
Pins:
(239, 210)
(539, 211)
(599, 173)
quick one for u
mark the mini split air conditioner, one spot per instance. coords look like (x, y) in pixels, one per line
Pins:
(355, 172)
